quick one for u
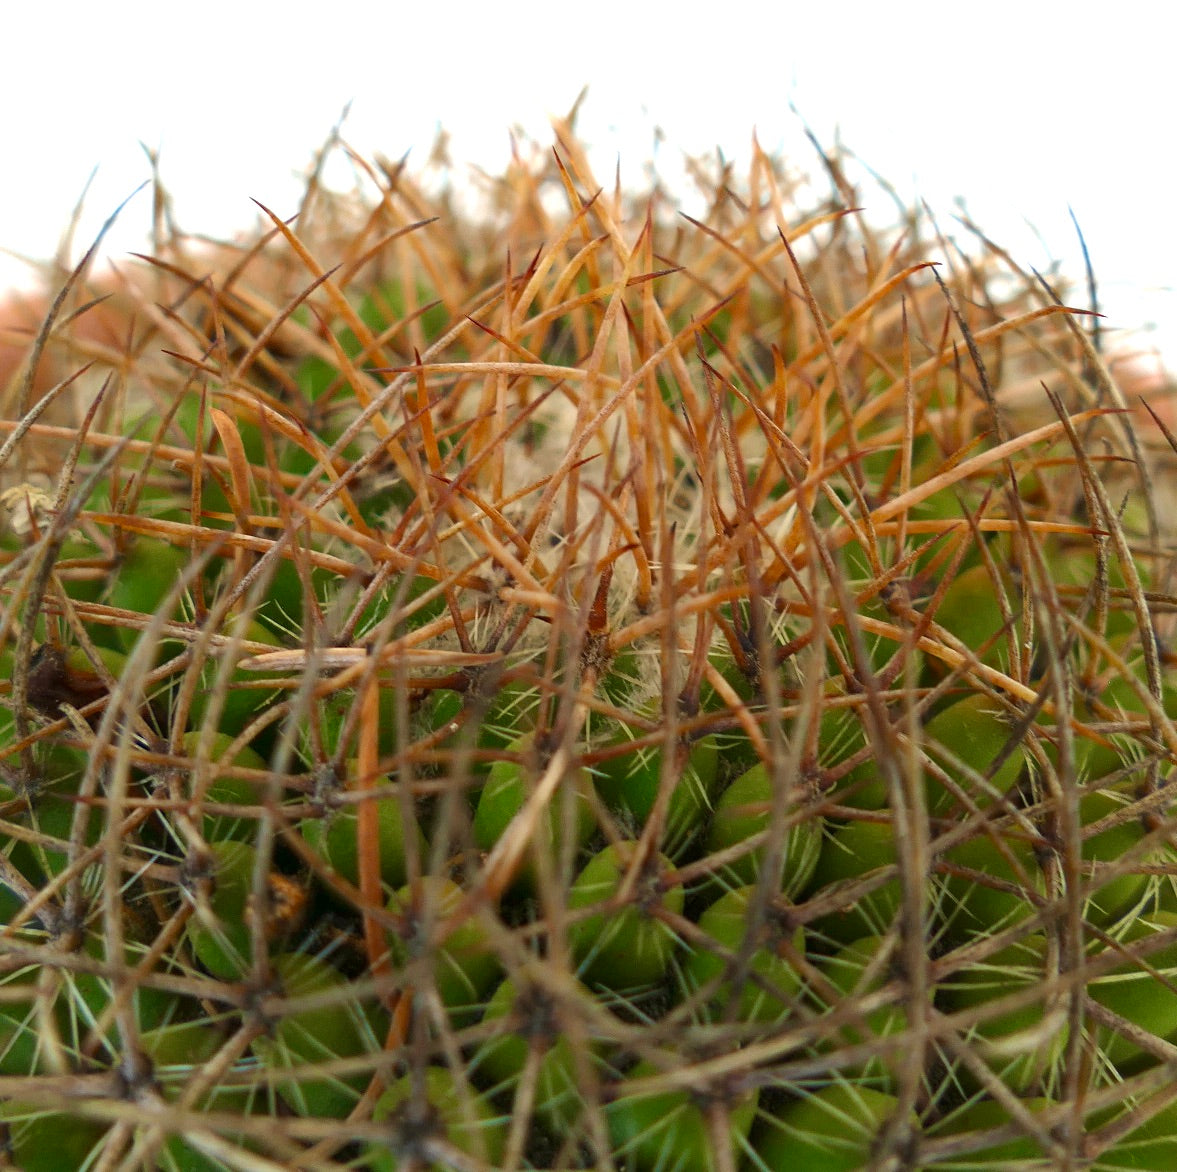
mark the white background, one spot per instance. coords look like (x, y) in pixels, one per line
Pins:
(1022, 109)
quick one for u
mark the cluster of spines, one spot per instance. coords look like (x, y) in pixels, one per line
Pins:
(411, 711)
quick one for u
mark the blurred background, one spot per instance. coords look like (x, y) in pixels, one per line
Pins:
(1026, 111)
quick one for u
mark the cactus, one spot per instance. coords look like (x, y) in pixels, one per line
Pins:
(582, 687)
